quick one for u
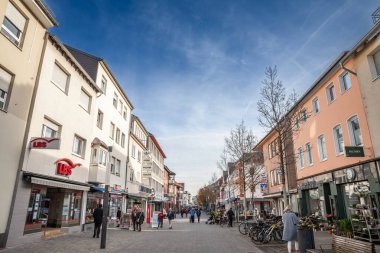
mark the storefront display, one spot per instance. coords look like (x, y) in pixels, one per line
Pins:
(93, 200)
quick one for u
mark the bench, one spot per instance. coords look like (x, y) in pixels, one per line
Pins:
(342, 244)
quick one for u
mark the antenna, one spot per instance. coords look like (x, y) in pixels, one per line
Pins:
(376, 16)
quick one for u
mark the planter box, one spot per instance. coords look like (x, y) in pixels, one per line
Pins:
(305, 239)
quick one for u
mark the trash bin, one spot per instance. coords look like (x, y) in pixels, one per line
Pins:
(305, 239)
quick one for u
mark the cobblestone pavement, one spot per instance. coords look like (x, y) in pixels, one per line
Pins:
(183, 238)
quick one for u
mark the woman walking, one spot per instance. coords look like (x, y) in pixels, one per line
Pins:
(290, 221)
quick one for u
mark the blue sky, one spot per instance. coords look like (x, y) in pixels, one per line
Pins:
(193, 69)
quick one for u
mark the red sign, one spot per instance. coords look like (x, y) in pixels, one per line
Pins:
(65, 166)
(44, 143)
(148, 213)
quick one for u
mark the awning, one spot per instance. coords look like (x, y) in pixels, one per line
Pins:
(101, 189)
(41, 181)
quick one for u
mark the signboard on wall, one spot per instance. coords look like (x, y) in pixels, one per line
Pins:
(264, 188)
(44, 143)
(65, 166)
(352, 151)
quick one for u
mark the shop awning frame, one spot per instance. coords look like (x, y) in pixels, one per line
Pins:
(47, 182)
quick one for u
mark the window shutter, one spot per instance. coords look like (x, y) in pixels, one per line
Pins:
(84, 100)
(59, 77)
(5, 80)
(15, 17)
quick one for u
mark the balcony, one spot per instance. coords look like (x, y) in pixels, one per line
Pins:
(97, 173)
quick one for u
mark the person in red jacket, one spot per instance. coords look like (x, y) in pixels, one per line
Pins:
(160, 219)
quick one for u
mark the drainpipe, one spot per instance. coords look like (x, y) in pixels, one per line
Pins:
(346, 69)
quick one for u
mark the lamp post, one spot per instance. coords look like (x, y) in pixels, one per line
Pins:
(103, 238)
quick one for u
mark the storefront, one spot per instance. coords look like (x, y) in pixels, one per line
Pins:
(338, 193)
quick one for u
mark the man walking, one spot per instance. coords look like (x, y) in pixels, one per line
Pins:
(192, 215)
(160, 219)
(98, 218)
(140, 217)
(118, 215)
(230, 215)
(199, 214)
(170, 218)
(134, 217)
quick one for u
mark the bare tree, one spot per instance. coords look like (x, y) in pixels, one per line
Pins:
(239, 146)
(254, 171)
(276, 113)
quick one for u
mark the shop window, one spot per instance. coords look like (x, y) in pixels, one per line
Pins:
(5, 87)
(79, 146)
(13, 25)
(322, 148)
(314, 202)
(37, 212)
(338, 139)
(71, 208)
(93, 199)
(50, 129)
(355, 132)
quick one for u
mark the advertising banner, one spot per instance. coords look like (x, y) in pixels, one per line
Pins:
(155, 219)
(264, 188)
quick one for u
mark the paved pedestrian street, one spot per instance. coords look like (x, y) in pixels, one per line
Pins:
(183, 238)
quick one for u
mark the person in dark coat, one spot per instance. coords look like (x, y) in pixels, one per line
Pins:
(160, 219)
(230, 215)
(170, 218)
(140, 217)
(199, 214)
(290, 221)
(134, 217)
(118, 215)
(98, 218)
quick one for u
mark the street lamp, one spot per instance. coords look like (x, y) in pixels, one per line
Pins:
(103, 238)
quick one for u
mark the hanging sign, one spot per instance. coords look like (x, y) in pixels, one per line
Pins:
(354, 151)
(44, 143)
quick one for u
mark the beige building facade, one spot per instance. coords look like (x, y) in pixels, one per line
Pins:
(23, 27)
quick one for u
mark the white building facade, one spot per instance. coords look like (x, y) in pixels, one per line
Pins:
(53, 185)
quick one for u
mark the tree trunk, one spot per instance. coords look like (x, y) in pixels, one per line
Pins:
(282, 166)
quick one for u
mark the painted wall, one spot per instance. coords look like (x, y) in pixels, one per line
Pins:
(370, 90)
(339, 111)
(23, 64)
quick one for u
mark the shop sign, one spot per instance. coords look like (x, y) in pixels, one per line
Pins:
(44, 143)
(264, 188)
(264, 178)
(352, 151)
(65, 166)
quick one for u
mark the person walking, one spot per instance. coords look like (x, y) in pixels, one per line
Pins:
(140, 217)
(98, 219)
(289, 234)
(160, 219)
(170, 218)
(230, 215)
(118, 215)
(182, 213)
(192, 215)
(199, 214)
(186, 211)
(134, 218)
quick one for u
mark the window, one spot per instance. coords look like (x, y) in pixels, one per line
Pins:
(122, 140)
(113, 165)
(303, 115)
(374, 64)
(300, 157)
(345, 82)
(133, 151)
(330, 93)
(269, 151)
(139, 156)
(85, 100)
(13, 25)
(60, 78)
(131, 175)
(103, 85)
(118, 164)
(316, 108)
(296, 123)
(309, 156)
(272, 177)
(99, 119)
(338, 139)
(115, 99)
(79, 146)
(102, 157)
(121, 107)
(322, 148)
(50, 129)
(355, 133)
(112, 130)
(117, 139)
(125, 113)
(5, 83)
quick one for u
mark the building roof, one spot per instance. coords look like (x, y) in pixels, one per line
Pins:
(134, 117)
(157, 145)
(169, 171)
(90, 63)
